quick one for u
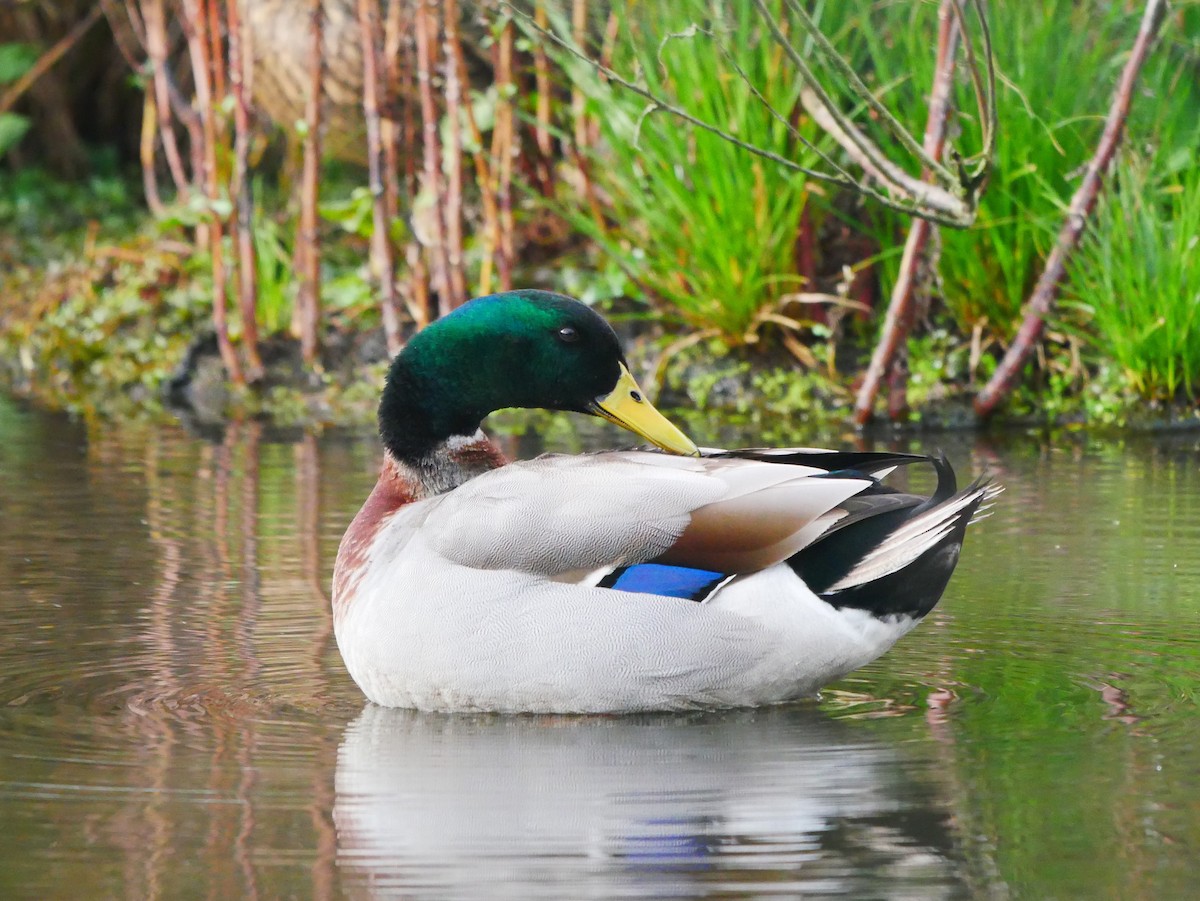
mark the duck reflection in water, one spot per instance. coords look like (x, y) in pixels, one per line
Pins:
(779, 800)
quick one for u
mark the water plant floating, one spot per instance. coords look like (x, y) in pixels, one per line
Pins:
(616, 581)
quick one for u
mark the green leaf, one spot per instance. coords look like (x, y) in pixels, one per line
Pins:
(12, 129)
(15, 60)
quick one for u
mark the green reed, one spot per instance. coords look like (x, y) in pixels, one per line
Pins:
(1058, 62)
(706, 230)
(1136, 279)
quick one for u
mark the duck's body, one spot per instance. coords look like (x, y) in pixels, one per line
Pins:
(629, 580)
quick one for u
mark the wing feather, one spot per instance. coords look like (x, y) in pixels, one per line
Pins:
(561, 516)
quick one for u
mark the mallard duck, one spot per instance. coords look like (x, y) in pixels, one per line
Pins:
(617, 581)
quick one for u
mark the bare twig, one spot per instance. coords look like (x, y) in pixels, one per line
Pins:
(985, 90)
(382, 251)
(48, 59)
(240, 72)
(453, 208)
(951, 215)
(1046, 290)
(308, 300)
(950, 199)
(899, 315)
(196, 28)
(862, 151)
(847, 72)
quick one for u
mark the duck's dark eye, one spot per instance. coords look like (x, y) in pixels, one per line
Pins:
(568, 334)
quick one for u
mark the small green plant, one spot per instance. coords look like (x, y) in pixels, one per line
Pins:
(276, 280)
(704, 229)
(15, 60)
(1137, 279)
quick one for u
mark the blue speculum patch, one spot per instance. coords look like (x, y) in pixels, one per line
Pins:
(667, 581)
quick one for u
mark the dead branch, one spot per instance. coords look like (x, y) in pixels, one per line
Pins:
(899, 314)
(1045, 292)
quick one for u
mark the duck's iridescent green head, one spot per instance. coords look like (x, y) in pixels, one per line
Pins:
(517, 349)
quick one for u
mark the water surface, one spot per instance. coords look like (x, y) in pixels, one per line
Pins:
(175, 720)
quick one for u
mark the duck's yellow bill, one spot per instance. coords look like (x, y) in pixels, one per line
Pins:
(627, 406)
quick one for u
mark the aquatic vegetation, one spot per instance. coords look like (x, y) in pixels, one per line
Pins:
(1137, 280)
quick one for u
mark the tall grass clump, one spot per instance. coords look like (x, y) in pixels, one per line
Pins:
(1057, 64)
(706, 230)
(1136, 279)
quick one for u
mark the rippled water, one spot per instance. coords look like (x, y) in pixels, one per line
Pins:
(175, 720)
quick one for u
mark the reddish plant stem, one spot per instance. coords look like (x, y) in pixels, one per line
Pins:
(418, 299)
(483, 178)
(899, 317)
(453, 209)
(1046, 290)
(502, 153)
(216, 51)
(130, 36)
(541, 69)
(308, 299)
(806, 257)
(392, 101)
(240, 72)
(543, 89)
(382, 251)
(156, 47)
(898, 386)
(128, 32)
(608, 47)
(582, 130)
(196, 28)
(578, 106)
(426, 42)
